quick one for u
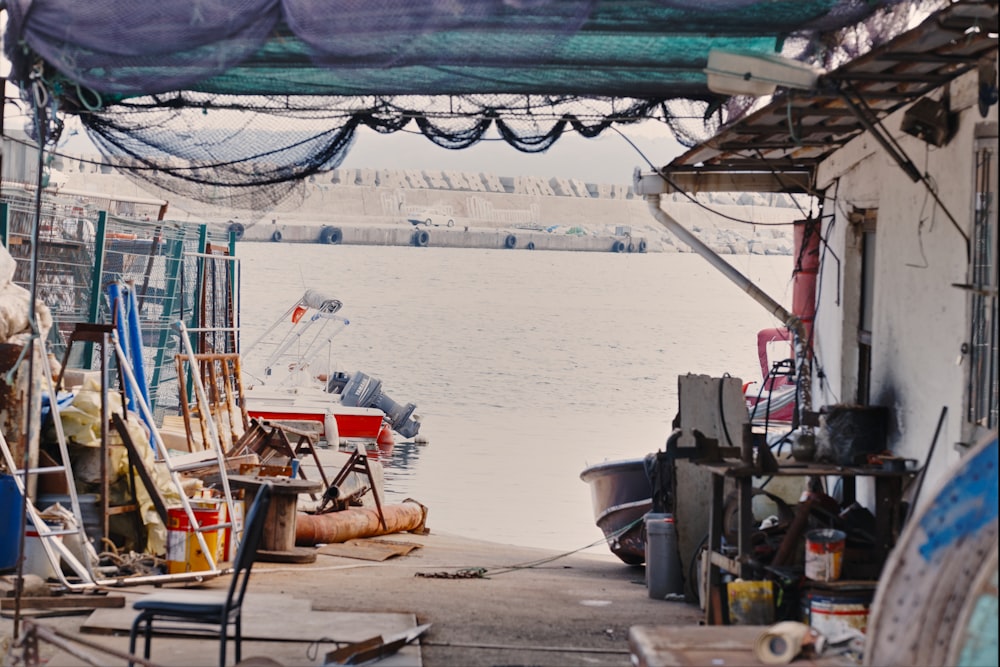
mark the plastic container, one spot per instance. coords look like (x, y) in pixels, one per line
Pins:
(751, 602)
(10, 522)
(663, 563)
(824, 554)
(90, 512)
(36, 559)
(835, 614)
(184, 553)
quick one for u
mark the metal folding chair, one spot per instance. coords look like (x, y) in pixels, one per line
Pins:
(209, 607)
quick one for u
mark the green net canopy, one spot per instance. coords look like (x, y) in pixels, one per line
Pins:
(624, 48)
(285, 84)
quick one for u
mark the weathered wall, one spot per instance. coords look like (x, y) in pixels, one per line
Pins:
(921, 320)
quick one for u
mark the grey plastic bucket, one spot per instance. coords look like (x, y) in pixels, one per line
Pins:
(663, 564)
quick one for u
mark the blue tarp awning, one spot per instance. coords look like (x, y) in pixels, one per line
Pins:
(627, 48)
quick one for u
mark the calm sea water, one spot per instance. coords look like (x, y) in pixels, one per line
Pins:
(526, 367)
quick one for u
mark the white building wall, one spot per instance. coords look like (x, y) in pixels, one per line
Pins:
(920, 319)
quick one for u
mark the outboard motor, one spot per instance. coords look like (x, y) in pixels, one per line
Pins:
(364, 391)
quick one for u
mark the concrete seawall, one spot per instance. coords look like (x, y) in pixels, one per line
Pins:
(442, 237)
(480, 210)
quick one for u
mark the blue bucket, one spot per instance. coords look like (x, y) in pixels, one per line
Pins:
(11, 526)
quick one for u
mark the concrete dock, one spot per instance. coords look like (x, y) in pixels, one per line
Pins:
(388, 234)
(486, 603)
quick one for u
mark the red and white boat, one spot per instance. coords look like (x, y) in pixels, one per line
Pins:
(773, 400)
(284, 380)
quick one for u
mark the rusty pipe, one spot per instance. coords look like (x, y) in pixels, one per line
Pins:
(803, 365)
(335, 527)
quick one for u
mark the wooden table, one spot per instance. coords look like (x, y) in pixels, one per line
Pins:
(278, 540)
(676, 646)
(888, 516)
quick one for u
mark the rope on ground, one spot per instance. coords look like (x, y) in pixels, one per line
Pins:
(132, 562)
(467, 573)
(482, 572)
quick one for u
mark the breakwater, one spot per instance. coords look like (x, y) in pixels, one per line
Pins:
(439, 208)
(442, 237)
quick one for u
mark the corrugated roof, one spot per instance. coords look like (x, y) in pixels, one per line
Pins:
(790, 136)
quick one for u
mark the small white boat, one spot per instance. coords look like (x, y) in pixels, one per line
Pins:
(285, 381)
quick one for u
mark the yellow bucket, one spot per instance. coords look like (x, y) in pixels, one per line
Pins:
(184, 552)
(751, 602)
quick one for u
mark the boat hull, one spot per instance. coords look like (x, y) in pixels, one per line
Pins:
(621, 495)
(352, 423)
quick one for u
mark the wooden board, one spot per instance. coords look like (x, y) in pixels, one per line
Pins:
(681, 646)
(368, 549)
(259, 612)
(65, 601)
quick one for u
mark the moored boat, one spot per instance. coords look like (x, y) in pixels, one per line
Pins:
(622, 494)
(287, 384)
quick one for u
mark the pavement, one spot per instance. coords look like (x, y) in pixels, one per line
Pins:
(485, 603)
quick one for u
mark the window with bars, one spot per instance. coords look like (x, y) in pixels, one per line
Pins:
(981, 413)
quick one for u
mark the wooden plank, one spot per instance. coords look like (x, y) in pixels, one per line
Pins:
(47, 613)
(64, 601)
(135, 460)
(259, 613)
(683, 646)
(368, 549)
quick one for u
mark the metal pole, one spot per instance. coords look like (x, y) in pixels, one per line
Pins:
(790, 320)
(40, 126)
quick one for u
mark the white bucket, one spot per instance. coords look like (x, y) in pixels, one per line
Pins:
(36, 560)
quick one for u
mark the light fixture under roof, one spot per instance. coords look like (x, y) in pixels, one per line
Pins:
(756, 74)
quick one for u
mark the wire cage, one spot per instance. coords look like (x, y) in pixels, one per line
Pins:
(175, 270)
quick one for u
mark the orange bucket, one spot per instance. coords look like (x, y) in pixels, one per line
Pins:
(184, 552)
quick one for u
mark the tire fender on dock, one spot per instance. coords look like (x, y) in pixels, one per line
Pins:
(510, 241)
(237, 229)
(618, 246)
(331, 235)
(421, 238)
(276, 236)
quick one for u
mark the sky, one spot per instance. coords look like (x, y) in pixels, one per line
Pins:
(608, 158)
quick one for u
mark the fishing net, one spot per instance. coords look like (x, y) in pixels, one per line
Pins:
(235, 102)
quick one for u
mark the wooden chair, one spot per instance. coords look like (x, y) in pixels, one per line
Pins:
(209, 607)
(222, 379)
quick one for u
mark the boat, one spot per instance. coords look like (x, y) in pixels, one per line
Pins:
(773, 401)
(622, 494)
(287, 380)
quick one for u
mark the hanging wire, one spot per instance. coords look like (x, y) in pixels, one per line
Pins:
(692, 198)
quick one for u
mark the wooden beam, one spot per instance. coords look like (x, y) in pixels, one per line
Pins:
(67, 602)
(725, 181)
